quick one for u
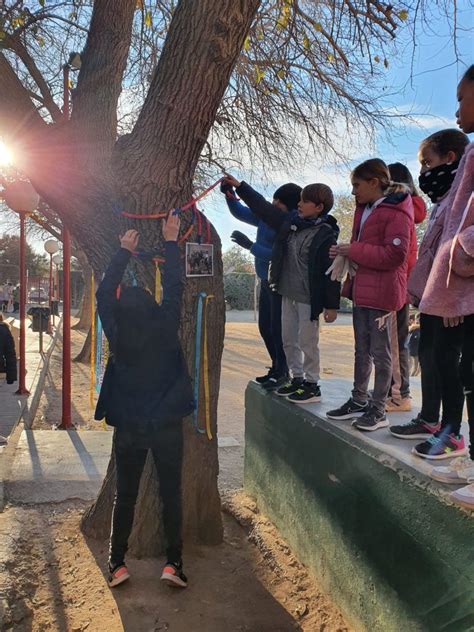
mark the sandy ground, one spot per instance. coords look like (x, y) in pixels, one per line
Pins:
(251, 582)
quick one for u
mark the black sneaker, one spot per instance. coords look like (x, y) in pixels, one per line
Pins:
(415, 429)
(290, 387)
(173, 575)
(350, 410)
(264, 378)
(372, 419)
(307, 393)
(274, 382)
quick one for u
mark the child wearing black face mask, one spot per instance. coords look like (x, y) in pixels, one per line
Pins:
(439, 157)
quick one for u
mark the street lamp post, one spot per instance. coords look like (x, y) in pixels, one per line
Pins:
(57, 260)
(51, 246)
(22, 198)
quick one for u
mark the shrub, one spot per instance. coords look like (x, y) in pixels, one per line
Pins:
(239, 290)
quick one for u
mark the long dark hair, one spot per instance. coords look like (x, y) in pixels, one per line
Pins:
(400, 173)
(136, 311)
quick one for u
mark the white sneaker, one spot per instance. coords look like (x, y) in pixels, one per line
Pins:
(460, 470)
(464, 496)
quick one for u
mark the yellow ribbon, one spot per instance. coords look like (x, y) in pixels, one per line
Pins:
(157, 283)
(92, 362)
(205, 360)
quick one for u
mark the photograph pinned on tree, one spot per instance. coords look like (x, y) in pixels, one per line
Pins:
(199, 260)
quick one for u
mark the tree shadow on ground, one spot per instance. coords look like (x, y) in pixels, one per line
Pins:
(224, 592)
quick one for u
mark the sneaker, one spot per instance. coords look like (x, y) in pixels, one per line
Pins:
(464, 496)
(173, 575)
(402, 405)
(371, 420)
(441, 446)
(290, 387)
(415, 429)
(118, 575)
(307, 393)
(264, 378)
(274, 382)
(350, 410)
(460, 470)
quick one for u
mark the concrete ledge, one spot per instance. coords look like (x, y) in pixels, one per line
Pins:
(377, 532)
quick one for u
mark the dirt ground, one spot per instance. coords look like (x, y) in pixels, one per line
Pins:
(251, 582)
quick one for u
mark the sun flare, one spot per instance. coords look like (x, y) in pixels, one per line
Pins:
(6, 156)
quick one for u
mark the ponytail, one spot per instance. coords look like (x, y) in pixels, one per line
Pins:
(397, 187)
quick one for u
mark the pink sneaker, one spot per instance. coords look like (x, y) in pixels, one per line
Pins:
(118, 575)
(441, 446)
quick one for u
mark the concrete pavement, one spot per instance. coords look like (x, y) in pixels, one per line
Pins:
(12, 406)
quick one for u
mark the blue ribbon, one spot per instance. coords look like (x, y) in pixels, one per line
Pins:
(197, 360)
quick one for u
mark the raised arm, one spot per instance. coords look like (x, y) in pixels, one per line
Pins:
(237, 209)
(107, 291)
(172, 273)
(262, 208)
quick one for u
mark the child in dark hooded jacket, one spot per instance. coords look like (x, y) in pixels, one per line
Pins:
(145, 394)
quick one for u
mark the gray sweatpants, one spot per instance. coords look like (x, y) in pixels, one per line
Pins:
(300, 339)
(372, 346)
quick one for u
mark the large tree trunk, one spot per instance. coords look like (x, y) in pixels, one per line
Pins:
(84, 322)
(82, 172)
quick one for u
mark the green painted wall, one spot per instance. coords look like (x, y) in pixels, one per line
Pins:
(382, 542)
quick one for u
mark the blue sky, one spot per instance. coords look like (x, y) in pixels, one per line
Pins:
(426, 89)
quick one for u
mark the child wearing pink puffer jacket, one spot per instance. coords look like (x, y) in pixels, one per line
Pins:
(449, 291)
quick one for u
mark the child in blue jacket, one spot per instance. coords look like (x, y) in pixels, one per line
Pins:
(285, 198)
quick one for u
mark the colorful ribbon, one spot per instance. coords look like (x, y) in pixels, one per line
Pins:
(92, 357)
(176, 210)
(201, 318)
(157, 283)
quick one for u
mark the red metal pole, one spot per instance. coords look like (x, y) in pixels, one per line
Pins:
(66, 417)
(66, 403)
(50, 326)
(22, 390)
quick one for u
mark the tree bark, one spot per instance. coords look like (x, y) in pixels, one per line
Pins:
(75, 170)
(84, 322)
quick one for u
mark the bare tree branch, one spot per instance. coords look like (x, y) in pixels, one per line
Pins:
(104, 60)
(14, 44)
(18, 116)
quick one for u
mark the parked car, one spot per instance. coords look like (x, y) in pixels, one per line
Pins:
(38, 295)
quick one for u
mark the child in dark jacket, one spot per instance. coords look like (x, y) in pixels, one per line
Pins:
(285, 198)
(380, 244)
(7, 359)
(7, 352)
(145, 394)
(300, 258)
(399, 397)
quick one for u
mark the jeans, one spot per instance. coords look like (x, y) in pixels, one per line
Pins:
(372, 346)
(269, 326)
(400, 355)
(130, 451)
(441, 370)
